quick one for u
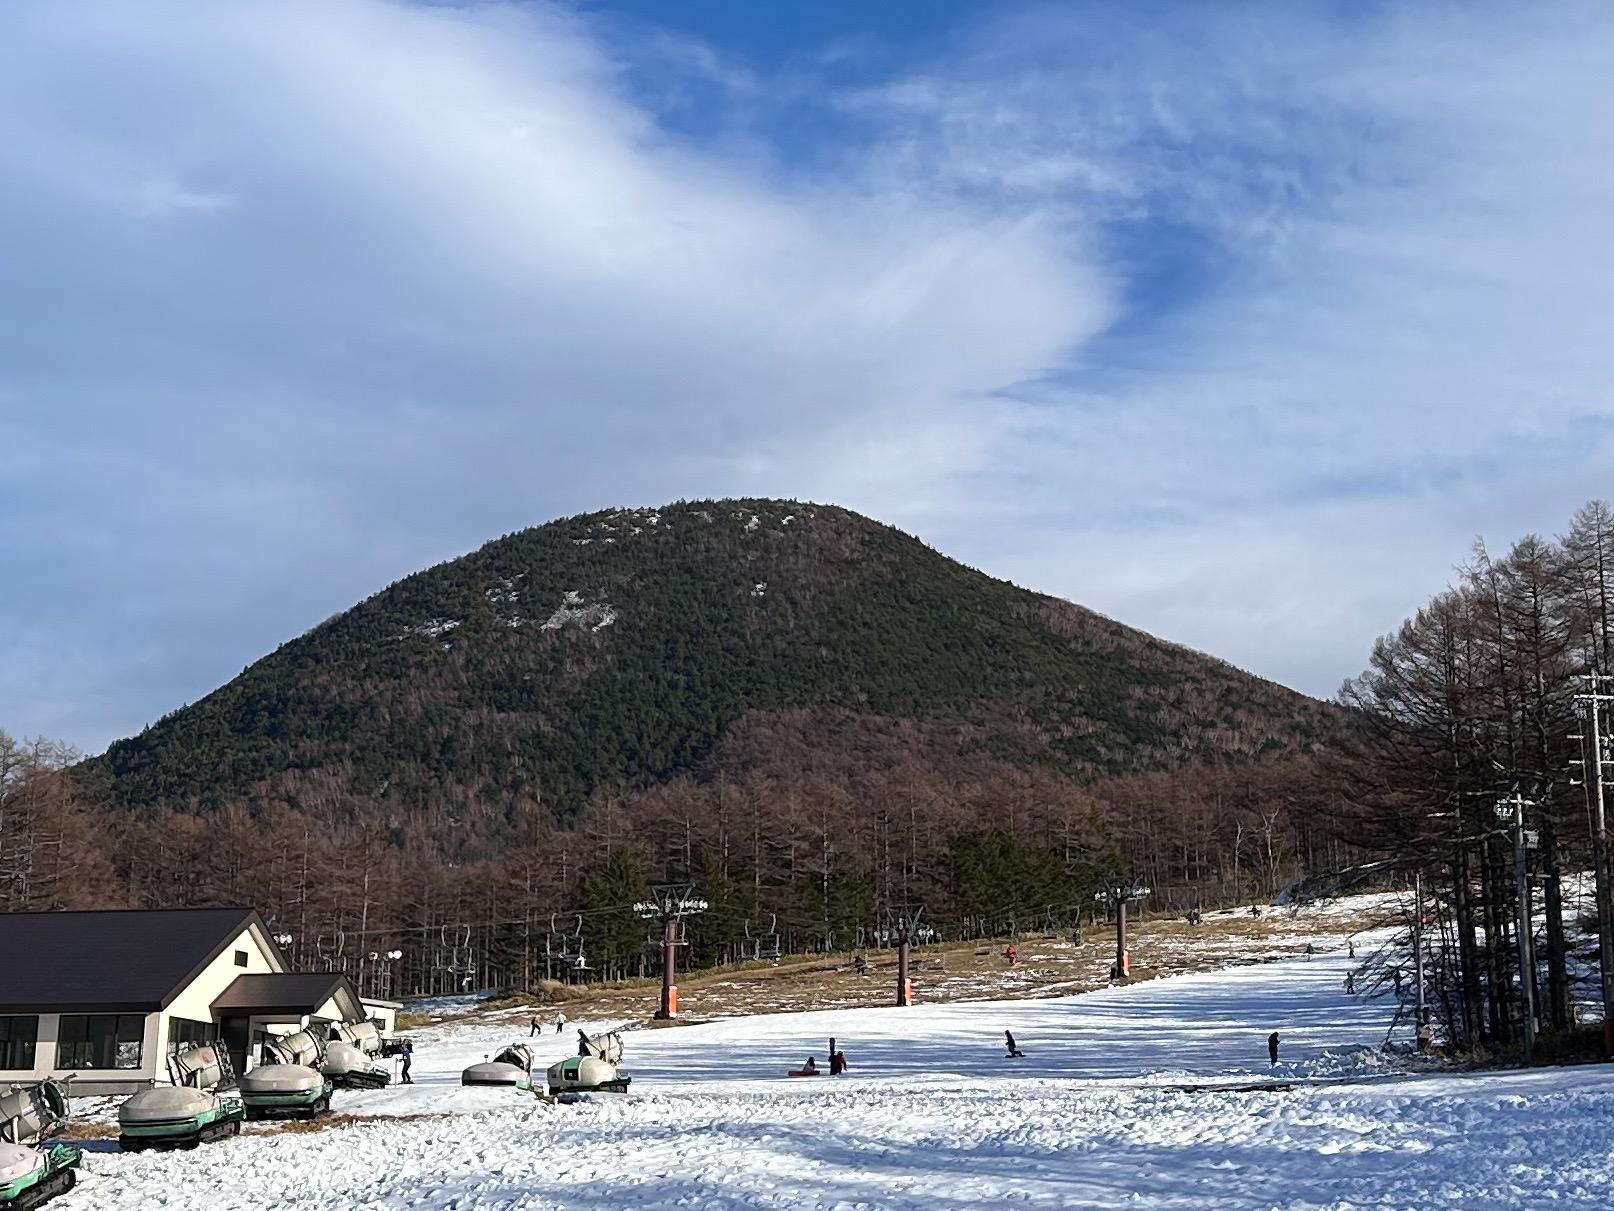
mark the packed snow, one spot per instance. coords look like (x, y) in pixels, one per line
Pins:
(1157, 1094)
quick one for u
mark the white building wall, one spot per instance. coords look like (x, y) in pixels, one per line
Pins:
(196, 1001)
(385, 1014)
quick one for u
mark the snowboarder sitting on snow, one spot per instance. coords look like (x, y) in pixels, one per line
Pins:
(810, 1066)
(1272, 1046)
(1014, 1052)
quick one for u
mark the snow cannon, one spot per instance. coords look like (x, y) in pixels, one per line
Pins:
(362, 1035)
(512, 1068)
(31, 1172)
(201, 1104)
(291, 1085)
(348, 1067)
(593, 1069)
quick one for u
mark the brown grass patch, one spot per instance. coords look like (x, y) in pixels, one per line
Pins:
(87, 1131)
(337, 1122)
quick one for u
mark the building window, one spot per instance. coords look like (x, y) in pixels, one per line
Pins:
(100, 1040)
(240, 958)
(183, 1034)
(17, 1039)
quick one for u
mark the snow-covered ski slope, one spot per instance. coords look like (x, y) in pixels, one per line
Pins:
(1136, 1096)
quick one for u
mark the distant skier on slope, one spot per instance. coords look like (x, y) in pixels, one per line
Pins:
(1014, 1052)
(1272, 1046)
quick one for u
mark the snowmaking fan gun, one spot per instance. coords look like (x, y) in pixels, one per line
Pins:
(593, 1069)
(32, 1172)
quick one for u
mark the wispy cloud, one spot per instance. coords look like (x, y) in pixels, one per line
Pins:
(1234, 323)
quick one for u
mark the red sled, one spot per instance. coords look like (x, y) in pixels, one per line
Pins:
(804, 1072)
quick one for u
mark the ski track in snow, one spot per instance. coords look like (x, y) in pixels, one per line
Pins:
(1116, 1104)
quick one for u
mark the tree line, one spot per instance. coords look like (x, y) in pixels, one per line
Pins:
(1468, 713)
(799, 846)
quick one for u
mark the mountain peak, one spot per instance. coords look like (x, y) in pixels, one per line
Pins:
(618, 649)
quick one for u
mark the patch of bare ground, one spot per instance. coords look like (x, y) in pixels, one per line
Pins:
(338, 1122)
(1046, 965)
(81, 1130)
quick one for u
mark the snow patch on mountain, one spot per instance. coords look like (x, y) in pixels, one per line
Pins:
(574, 610)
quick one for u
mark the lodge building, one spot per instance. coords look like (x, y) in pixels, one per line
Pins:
(104, 997)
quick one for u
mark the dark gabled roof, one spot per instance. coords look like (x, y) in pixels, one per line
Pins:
(137, 960)
(284, 992)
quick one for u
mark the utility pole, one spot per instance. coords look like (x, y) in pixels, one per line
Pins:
(1514, 807)
(1417, 947)
(1591, 703)
(669, 905)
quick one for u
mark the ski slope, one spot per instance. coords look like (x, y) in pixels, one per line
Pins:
(1130, 1096)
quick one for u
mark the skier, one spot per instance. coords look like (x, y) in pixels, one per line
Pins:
(1272, 1046)
(837, 1063)
(560, 1022)
(1350, 983)
(1350, 948)
(537, 1025)
(408, 1054)
(1310, 950)
(1014, 1052)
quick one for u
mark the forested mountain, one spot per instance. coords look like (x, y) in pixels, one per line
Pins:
(816, 719)
(619, 650)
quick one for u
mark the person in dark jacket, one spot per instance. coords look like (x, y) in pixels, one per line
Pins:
(1014, 1052)
(408, 1054)
(1272, 1046)
(537, 1025)
(837, 1063)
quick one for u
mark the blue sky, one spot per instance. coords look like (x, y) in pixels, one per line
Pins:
(1237, 322)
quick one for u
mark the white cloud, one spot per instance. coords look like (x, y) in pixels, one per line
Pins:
(321, 292)
(315, 293)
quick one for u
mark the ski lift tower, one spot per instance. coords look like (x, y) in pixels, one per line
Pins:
(669, 905)
(1120, 894)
